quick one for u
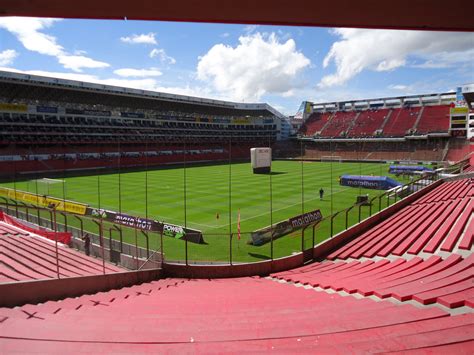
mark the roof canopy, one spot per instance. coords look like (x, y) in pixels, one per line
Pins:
(401, 14)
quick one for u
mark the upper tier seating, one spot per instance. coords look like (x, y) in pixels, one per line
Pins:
(434, 119)
(401, 121)
(339, 124)
(368, 122)
(315, 123)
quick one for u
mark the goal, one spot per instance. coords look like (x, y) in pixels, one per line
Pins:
(336, 158)
(46, 186)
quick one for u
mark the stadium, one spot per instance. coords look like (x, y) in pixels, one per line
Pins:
(141, 221)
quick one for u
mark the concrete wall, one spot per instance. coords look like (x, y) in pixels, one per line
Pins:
(19, 293)
(260, 268)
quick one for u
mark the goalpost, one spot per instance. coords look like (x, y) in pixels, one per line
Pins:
(336, 158)
(47, 186)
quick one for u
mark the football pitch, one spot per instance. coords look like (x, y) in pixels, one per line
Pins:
(209, 198)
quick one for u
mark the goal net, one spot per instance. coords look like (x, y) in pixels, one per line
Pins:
(46, 186)
(336, 158)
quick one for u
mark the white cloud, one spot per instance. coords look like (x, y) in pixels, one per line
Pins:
(225, 35)
(130, 72)
(398, 87)
(79, 52)
(390, 64)
(257, 65)
(28, 31)
(384, 50)
(8, 56)
(250, 29)
(161, 54)
(76, 62)
(144, 38)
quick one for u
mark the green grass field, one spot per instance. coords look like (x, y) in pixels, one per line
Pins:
(294, 189)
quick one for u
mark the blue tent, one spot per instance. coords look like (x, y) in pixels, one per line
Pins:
(407, 169)
(369, 182)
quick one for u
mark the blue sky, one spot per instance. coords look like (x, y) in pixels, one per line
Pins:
(275, 64)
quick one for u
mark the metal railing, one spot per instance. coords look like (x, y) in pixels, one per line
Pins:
(226, 248)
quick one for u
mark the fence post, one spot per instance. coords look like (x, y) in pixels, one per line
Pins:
(56, 239)
(347, 217)
(136, 246)
(147, 243)
(119, 229)
(161, 246)
(38, 214)
(110, 239)
(26, 210)
(100, 225)
(230, 248)
(332, 223)
(81, 223)
(65, 220)
(101, 232)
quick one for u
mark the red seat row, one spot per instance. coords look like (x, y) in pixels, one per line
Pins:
(229, 315)
(34, 258)
(449, 281)
(430, 223)
(449, 191)
(6, 229)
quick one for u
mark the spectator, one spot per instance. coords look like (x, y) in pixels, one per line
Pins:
(87, 243)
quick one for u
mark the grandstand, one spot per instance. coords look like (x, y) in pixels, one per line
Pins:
(54, 124)
(411, 128)
(397, 278)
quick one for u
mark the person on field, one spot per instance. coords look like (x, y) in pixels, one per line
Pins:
(321, 193)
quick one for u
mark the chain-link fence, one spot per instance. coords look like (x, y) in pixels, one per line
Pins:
(202, 204)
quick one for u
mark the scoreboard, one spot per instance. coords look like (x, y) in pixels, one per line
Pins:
(261, 159)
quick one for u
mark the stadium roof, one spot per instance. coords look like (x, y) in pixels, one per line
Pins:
(421, 98)
(19, 78)
(400, 14)
(468, 93)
